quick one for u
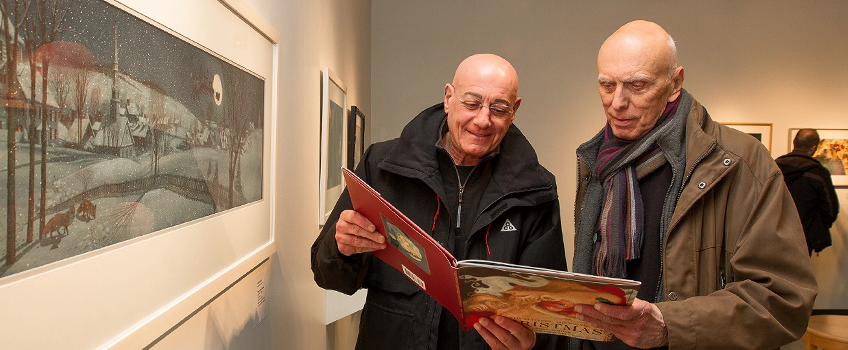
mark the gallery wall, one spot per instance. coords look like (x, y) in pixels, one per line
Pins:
(236, 319)
(314, 34)
(779, 62)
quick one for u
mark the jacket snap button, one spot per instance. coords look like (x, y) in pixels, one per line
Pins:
(726, 161)
(702, 185)
(673, 296)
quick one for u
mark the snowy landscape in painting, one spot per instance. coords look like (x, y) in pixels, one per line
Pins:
(112, 129)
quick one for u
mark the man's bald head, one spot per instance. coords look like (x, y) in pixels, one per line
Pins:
(480, 104)
(488, 67)
(806, 141)
(644, 39)
(638, 75)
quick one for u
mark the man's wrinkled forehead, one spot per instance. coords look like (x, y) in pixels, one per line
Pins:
(486, 70)
(638, 46)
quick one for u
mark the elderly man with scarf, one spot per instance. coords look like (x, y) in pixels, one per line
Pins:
(696, 211)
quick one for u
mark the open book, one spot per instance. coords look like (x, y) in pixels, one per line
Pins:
(541, 299)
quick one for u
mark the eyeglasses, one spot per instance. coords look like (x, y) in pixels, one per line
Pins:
(497, 109)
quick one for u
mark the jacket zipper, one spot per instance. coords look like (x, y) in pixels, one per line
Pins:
(668, 229)
(461, 190)
(578, 211)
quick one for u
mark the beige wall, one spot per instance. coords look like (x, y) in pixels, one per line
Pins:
(780, 62)
(314, 34)
(233, 320)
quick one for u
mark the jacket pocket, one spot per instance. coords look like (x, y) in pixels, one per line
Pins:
(385, 278)
(384, 325)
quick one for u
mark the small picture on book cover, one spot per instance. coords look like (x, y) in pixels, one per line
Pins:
(406, 245)
(543, 304)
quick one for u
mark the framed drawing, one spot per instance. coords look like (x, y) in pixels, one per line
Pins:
(333, 107)
(832, 152)
(355, 137)
(759, 131)
(143, 156)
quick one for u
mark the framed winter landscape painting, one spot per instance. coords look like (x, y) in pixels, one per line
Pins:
(759, 131)
(832, 152)
(137, 163)
(333, 139)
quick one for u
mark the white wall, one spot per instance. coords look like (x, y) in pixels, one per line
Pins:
(233, 320)
(780, 62)
(314, 34)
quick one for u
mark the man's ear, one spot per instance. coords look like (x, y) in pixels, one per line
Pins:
(448, 94)
(677, 83)
(515, 107)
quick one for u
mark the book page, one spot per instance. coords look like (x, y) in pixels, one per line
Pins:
(538, 298)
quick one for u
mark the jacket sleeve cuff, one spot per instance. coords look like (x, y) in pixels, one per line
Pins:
(680, 324)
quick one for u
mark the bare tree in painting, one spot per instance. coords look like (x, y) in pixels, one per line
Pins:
(32, 41)
(50, 17)
(81, 77)
(156, 120)
(13, 14)
(237, 125)
(61, 84)
(201, 86)
(95, 104)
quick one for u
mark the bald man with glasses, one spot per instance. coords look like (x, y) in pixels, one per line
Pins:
(462, 170)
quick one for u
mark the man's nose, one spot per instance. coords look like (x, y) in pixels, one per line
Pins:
(483, 117)
(620, 99)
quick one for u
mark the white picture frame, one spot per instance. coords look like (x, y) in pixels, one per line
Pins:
(333, 142)
(136, 290)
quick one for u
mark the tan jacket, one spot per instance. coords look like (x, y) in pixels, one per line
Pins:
(735, 264)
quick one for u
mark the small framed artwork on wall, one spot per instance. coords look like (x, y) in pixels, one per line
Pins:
(333, 107)
(832, 152)
(355, 137)
(759, 131)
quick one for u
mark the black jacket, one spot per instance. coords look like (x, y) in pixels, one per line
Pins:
(814, 196)
(397, 315)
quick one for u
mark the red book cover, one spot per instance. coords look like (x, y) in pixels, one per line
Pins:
(541, 299)
(410, 250)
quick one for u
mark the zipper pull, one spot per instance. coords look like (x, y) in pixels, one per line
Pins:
(459, 207)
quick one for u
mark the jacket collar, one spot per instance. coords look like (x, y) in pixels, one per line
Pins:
(699, 141)
(707, 163)
(515, 167)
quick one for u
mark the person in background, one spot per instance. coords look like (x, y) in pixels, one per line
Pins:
(462, 170)
(811, 188)
(696, 211)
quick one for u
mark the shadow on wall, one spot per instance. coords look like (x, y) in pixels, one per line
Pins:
(233, 320)
(341, 335)
(252, 336)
